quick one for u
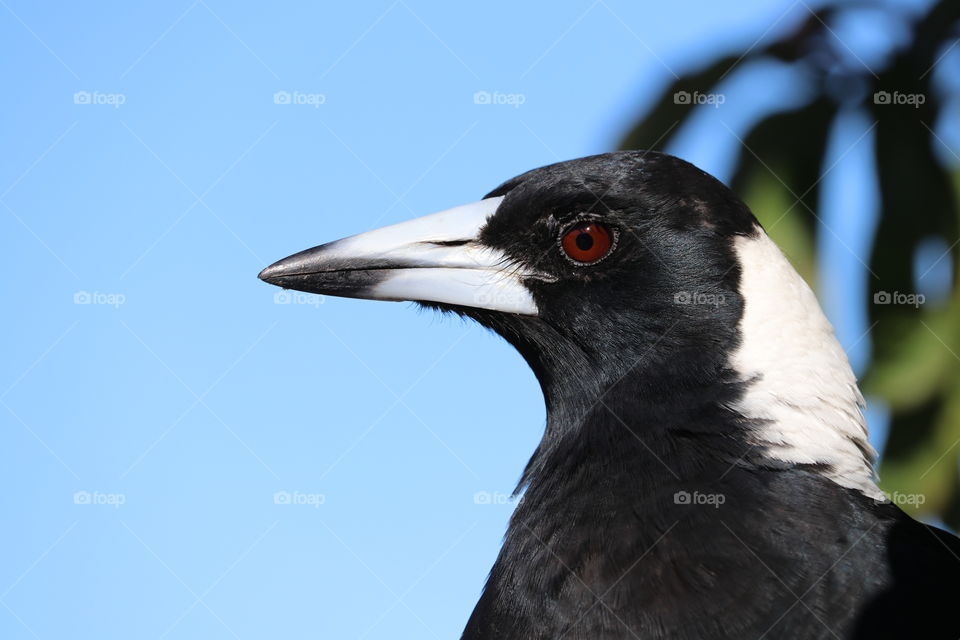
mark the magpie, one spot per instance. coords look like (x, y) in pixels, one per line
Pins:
(705, 470)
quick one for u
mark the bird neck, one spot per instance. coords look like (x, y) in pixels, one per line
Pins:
(642, 429)
(630, 394)
(629, 512)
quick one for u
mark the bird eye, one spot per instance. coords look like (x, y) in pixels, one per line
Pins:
(587, 242)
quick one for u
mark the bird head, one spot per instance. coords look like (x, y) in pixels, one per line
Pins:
(625, 277)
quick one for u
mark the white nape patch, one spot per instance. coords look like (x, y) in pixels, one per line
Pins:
(799, 382)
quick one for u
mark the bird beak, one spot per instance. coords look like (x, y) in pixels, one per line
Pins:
(436, 258)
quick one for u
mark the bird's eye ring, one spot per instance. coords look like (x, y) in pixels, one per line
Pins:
(587, 242)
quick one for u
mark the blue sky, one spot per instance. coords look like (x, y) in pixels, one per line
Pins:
(157, 396)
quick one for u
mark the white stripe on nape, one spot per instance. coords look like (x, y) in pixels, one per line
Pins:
(800, 388)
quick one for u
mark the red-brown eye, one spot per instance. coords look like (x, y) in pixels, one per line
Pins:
(587, 242)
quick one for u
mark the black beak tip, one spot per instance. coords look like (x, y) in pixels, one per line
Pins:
(282, 271)
(270, 274)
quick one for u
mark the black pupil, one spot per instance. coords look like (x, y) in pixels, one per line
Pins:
(584, 241)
